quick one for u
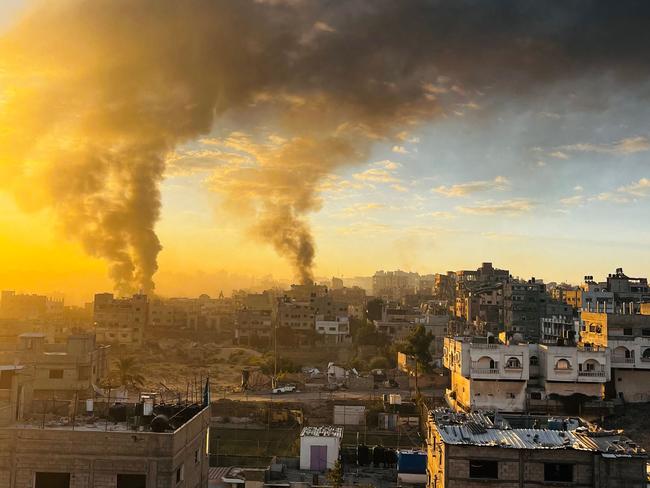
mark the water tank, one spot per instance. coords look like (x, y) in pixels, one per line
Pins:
(160, 423)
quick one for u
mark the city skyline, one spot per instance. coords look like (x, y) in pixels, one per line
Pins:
(532, 175)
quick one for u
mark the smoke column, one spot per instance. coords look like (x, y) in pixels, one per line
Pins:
(95, 95)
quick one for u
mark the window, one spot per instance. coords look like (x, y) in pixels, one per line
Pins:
(627, 331)
(534, 361)
(645, 332)
(5, 379)
(513, 363)
(561, 472)
(483, 469)
(131, 481)
(563, 364)
(52, 480)
(56, 374)
(197, 459)
(180, 473)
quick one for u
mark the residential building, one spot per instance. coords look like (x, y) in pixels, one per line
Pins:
(525, 303)
(141, 452)
(336, 331)
(557, 328)
(481, 450)
(120, 320)
(19, 306)
(33, 370)
(628, 339)
(486, 374)
(566, 370)
(393, 285)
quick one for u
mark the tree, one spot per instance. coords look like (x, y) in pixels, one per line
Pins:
(335, 475)
(418, 345)
(129, 372)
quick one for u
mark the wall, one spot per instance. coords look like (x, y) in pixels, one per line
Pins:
(94, 458)
(632, 384)
(332, 443)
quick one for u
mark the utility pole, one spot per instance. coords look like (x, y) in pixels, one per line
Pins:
(275, 355)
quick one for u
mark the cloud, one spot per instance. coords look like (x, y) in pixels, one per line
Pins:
(629, 145)
(442, 215)
(380, 172)
(573, 200)
(578, 188)
(399, 150)
(465, 189)
(399, 188)
(627, 193)
(362, 208)
(506, 207)
(639, 189)
(558, 155)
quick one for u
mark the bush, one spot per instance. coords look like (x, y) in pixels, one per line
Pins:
(379, 362)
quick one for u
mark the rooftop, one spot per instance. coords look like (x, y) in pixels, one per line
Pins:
(482, 429)
(322, 431)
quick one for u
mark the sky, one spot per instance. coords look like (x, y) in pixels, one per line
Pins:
(532, 153)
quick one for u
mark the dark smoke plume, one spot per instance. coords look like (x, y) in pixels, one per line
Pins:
(96, 94)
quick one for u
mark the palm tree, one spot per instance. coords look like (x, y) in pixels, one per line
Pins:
(129, 372)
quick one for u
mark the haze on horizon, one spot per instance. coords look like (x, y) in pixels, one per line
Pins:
(193, 148)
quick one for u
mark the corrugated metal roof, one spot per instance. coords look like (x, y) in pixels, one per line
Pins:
(477, 429)
(322, 431)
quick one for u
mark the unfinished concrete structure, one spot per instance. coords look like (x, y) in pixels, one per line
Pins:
(468, 451)
(98, 453)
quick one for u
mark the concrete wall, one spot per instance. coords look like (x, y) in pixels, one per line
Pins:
(633, 385)
(94, 458)
(333, 445)
(525, 468)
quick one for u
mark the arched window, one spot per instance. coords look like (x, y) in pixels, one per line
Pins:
(563, 364)
(646, 354)
(591, 365)
(622, 352)
(534, 361)
(486, 362)
(513, 363)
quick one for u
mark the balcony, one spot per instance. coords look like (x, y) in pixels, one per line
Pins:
(491, 371)
(483, 345)
(622, 360)
(592, 374)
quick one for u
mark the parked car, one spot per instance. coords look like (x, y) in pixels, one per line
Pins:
(283, 389)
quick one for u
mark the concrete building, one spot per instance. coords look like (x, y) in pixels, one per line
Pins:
(120, 320)
(35, 374)
(525, 304)
(91, 453)
(486, 375)
(253, 327)
(569, 370)
(628, 339)
(320, 447)
(393, 285)
(334, 331)
(480, 450)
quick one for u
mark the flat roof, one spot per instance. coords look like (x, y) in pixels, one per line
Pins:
(478, 429)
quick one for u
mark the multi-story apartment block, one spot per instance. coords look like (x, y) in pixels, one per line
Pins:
(335, 331)
(295, 315)
(120, 320)
(486, 374)
(393, 285)
(480, 450)
(628, 339)
(254, 326)
(33, 370)
(557, 328)
(567, 370)
(28, 307)
(525, 304)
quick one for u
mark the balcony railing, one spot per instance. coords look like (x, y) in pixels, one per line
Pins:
(622, 360)
(592, 374)
(485, 370)
(645, 360)
(482, 345)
